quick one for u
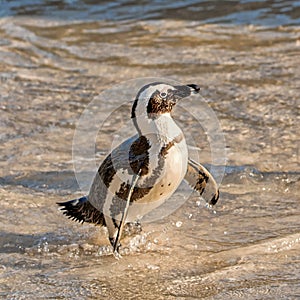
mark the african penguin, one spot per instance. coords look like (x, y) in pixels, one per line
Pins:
(157, 155)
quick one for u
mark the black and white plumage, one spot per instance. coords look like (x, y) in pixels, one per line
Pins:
(157, 153)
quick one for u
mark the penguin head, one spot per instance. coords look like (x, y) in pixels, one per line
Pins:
(158, 98)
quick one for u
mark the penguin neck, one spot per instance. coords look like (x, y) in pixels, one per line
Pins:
(160, 129)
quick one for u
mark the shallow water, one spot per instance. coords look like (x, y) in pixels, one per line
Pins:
(248, 245)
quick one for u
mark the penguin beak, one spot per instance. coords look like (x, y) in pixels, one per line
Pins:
(194, 88)
(183, 91)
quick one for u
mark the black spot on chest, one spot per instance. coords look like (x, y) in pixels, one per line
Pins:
(164, 150)
(139, 155)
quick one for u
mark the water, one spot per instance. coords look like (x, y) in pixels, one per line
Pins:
(56, 56)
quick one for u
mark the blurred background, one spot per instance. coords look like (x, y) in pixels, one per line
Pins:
(57, 56)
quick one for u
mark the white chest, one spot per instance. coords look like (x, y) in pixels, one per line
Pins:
(169, 169)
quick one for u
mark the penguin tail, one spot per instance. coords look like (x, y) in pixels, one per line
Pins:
(81, 210)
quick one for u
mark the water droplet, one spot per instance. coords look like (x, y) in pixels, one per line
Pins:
(178, 224)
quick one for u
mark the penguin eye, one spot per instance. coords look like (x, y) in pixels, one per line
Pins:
(163, 95)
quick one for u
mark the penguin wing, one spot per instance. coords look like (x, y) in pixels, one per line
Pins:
(202, 181)
(128, 158)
